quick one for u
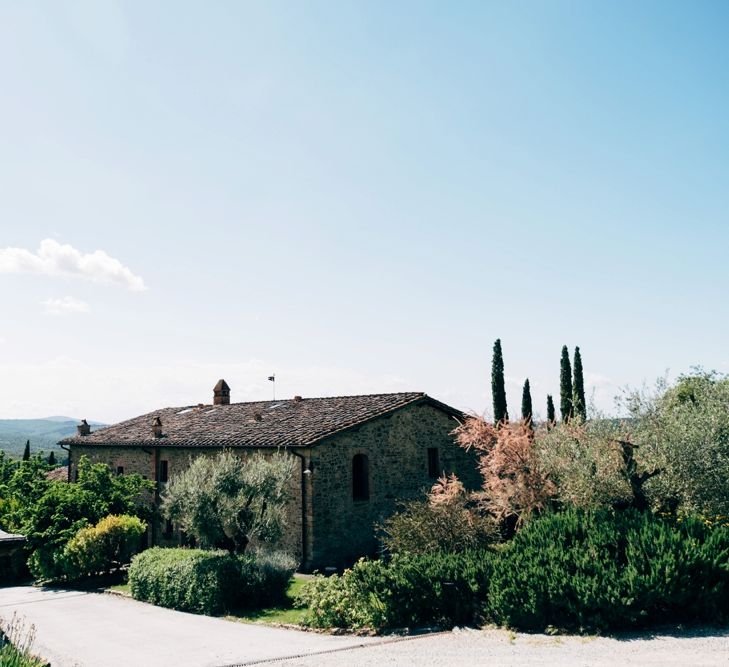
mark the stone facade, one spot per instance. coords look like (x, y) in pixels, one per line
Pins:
(396, 447)
(327, 524)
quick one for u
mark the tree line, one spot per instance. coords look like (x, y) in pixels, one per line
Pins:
(571, 388)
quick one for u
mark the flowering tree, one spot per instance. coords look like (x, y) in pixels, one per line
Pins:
(515, 483)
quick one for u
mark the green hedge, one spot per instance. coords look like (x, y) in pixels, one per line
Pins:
(607, 570)
(408, 591)
(578, 571)
(208, 582)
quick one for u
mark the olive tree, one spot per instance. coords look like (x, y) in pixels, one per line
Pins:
(227, 500)
(683, 430)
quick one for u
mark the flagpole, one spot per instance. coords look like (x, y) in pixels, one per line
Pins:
(272, 378)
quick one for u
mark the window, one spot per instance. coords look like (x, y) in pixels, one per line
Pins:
(360, 478)
(433, 463)
(120, 470)
(163, 471)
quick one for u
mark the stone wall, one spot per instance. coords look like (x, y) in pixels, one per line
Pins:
(396, 447)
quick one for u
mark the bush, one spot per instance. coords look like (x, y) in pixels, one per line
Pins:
(440, 588)
(208, 582)
(265, 578)
(60, 510)
(104, 547)
(607, 570)
(447, 521)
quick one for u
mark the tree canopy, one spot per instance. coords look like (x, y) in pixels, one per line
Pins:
(226, 501)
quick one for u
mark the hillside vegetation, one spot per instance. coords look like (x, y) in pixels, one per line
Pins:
(43, 434)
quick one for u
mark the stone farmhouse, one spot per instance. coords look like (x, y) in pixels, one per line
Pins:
(357, 458)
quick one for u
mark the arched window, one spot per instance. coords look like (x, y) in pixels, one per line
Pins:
(360, 478)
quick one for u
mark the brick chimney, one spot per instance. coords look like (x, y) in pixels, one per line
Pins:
(221, 393)
(157, 427)
(83, 428)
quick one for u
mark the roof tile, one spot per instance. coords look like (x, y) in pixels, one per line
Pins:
(289, 423)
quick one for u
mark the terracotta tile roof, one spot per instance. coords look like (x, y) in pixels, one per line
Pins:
(58, 474)
(289, 423)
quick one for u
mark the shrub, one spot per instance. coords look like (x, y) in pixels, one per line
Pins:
(60, 510)
(447, 521)
(208, 582)
(268, 580)
(104, 547)
(607, 570)
(440, 588)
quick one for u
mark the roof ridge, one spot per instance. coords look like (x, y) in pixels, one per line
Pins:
(285, 422)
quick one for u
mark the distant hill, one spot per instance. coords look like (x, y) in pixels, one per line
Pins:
(42, 433)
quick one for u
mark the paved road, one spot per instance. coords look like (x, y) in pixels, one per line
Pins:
(93, 630)
(76, 629)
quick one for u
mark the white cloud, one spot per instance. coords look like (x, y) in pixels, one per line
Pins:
(55, 259)
(65, 306)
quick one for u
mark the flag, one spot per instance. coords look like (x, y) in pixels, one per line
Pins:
(272, 378)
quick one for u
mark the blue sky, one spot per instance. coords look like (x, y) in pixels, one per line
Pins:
(359, 197)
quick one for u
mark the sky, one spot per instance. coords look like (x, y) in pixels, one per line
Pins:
(358, 197)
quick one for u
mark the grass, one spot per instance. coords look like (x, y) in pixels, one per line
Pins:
(285, 613)
(125, 589)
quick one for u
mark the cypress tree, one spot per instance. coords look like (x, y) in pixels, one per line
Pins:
(578, 387)
(26, 451)
(565, 385)
(51, 459)
(551, 419)
(498, 391)
(526, 402)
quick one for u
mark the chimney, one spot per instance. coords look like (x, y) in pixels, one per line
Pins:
(83, 428)
(221, 393)
(157, 427)
(297, 399)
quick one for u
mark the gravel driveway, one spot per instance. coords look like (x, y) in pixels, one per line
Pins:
(499, 647)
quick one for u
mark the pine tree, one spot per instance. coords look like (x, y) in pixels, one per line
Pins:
(526, 402)
(565, 385)
(551, 419)
(51, 459)
(26, 451)
(578, 387)
(498, 391)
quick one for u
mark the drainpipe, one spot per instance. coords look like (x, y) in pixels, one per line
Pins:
(156, 515)
(304, 529)
(68, 472)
